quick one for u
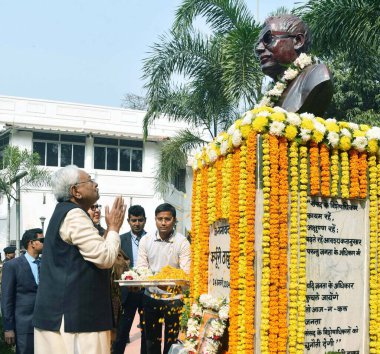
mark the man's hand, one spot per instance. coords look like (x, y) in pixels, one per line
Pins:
(115, 217)
(9, 337)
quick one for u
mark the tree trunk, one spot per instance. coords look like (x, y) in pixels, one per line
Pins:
(8, 241)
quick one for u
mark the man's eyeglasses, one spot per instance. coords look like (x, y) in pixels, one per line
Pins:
(89, 181)
(270, 36)
(95, 206)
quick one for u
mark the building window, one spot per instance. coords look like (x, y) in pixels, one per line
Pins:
(59, 149)
(4, 142)
(118, 155)
(179, 180)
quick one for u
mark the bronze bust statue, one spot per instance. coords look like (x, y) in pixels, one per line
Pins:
(281, 40)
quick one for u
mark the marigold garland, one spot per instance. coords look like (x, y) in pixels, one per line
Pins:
(324, 154)
(373, 264)
(219, 188)
(363, 178)
(345, 179)
(250, 242)
(314, 168)
(283, 246)
(265, 273)
(211, 189)
(226, 181)
(293, 263)
(354, 174)
(301, 300)
(274, 243)
(334, 172)
(235, 338)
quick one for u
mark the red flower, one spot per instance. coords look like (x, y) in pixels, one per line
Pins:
(128, 277)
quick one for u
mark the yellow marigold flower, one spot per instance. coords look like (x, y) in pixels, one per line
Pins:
(372, 146)
(245, 130)
(278, 116)
(364, 127)
(238, 123)
(262, 109)
(358, 133)
(317, 136)
(260, 123)
(291, 132)
(320, 120)
(345, 143)
(332, 127)
(307, 124)
(344, 124)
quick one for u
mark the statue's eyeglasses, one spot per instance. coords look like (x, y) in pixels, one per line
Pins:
(270, 36)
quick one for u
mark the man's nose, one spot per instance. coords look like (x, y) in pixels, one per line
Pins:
(259, 48)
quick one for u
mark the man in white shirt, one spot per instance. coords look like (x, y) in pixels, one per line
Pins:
(157, 250)
(19, 288)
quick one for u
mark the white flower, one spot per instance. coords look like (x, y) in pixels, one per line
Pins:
(353, 126)
(211, 347)
(319, 127)
(303, 60)
(305, 134)
(345, 132)
(333, 139)
(373, 133)
(275, 92)
(196, 310)
(195, 164)
(308, 116)
(192, 328)
(331, 120)
(224, 147)
(293, 119)
(129, 275)
(221, 137)
(212, 155)
(205, 299)
(360, 143)
(276, 128)
(279, 109)
(290, 74)
(236, 138)
(265, 101)
(144, 272)
(231, 129)
(263, 114)
(190, 345)
(247, 118)
(223, 312)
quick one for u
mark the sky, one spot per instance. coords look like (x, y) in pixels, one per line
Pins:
(85, 51)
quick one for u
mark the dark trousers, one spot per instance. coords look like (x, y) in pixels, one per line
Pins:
(132, 303)
(25, 343)
(156, 312)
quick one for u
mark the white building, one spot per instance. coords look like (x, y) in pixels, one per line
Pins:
(107, 142)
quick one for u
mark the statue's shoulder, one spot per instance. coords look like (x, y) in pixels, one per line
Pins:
(314, 75)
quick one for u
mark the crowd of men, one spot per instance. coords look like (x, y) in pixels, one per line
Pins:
(64, 301)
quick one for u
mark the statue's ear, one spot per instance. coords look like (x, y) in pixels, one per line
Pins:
(299, 41)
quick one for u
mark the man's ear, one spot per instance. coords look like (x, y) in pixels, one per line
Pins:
(299, 41)
(75, 193)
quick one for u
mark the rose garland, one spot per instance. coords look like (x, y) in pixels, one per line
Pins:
(216, 328)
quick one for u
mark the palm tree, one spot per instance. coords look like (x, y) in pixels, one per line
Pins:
(19, 165)
(203, 80)
(346, 35)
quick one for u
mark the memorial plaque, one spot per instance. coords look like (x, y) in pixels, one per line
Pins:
(219, 259)
(337, 277)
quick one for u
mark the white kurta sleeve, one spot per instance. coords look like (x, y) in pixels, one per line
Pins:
(78, 229)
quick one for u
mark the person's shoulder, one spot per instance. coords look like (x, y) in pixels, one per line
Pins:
(180, 238)
(125, 235)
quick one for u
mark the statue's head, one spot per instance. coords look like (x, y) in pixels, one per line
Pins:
(281, 40)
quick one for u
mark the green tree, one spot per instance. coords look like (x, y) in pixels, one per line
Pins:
(346, 35)
(202, 79)
(14, 163)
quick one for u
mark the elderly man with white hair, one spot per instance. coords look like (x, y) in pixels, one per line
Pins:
(73, 312)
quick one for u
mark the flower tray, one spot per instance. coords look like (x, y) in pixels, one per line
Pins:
(158, 282)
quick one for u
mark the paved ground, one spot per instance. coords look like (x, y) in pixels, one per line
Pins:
(135, 336)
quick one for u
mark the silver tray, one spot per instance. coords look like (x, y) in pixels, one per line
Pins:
(158, 282)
